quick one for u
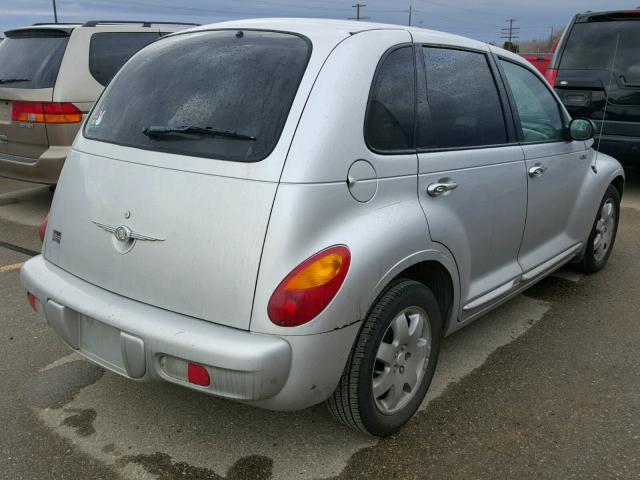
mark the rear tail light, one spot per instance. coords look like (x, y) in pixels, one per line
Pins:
(310, 287)
(43, 228)
(45, 112)
(33, 301)
(551, 75)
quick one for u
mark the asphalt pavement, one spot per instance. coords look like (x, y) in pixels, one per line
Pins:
(545, 387)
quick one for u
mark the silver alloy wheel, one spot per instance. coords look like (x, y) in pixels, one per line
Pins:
(401, 360)
(604, 230)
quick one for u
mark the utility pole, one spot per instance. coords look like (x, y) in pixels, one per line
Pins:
(551, 39)
(510, 33)
(55, 12)
(358, 6)
(410, 11)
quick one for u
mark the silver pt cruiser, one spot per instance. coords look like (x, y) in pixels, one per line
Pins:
(286, 212)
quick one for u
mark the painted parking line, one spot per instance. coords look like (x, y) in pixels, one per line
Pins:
(11, 268)
(18, 248)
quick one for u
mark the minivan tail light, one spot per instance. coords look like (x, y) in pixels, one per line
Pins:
(551, 75)
(43, 227)
(310, 287)
(45, 112)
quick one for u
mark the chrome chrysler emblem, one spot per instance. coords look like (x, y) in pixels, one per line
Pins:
(123, 233)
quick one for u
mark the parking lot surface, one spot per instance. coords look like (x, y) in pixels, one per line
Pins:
(545, 387)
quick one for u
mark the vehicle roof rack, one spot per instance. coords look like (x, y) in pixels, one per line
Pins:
(94, 23)
(59, 24)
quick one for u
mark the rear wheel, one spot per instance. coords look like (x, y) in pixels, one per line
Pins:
(392, 362)
(603, 233)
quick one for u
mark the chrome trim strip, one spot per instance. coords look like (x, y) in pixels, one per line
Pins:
(492, 295)
(540, 269)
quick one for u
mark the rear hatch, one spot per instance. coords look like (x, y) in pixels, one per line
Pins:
(600, 57)
(167, 155)
(29, 62)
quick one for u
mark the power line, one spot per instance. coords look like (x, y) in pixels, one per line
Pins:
(510, 32)
(358, 17)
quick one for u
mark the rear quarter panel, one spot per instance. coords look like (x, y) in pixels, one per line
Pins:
(314, 209)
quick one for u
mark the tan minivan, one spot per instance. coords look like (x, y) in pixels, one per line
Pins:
(50, 77)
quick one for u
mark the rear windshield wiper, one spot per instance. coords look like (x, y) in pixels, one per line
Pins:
(13, 80)
(195, 130)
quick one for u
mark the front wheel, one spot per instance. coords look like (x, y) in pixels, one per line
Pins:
(392, 362)
(603, 233)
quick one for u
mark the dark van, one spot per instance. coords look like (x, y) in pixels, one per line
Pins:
(599, 53)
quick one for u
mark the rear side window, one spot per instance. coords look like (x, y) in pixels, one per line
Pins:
(591, 46)
(464, 104)
(31, 59)
(538, 110)
(218, 94)
(391, 112)
(109, 51)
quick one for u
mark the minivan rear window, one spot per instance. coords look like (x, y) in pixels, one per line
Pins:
(109, 51)
(31, 59)
(591, 46)
(221, 94)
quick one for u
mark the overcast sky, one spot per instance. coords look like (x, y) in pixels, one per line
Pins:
(480, 19)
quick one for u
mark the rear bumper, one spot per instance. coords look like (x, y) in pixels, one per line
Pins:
(133, 337)
(45, 169)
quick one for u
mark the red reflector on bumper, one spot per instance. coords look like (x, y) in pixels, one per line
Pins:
(198, 375)
(32, 301)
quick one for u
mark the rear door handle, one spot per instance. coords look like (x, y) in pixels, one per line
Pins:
(537, 171)
(438, 188)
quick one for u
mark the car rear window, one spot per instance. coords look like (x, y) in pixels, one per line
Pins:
(591, 46)
(31, 58)
(238, 83)
(109, 51)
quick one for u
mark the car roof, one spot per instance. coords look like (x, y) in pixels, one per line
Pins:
(332, 30)
(614, 14)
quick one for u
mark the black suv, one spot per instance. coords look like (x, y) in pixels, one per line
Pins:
(599, 49)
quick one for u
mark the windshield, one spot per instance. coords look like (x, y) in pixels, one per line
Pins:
(31, 59)
(189, 88)
(591, 46)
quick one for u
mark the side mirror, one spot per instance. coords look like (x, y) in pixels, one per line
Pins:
(581, 129)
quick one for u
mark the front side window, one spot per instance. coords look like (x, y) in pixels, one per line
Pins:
(222, 94)
(464, 104)
(537, 108)
(391, 112)
(109, 51)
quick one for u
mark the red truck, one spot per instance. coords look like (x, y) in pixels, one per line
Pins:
(541, 60)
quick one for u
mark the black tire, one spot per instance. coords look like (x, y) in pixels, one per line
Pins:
(591, 263)
(353, 402)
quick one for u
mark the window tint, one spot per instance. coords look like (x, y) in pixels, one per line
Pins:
(538, 110)
(31, 59)
(590, 46)
(240, 84)
(390, 116)
(108, 52)
(464, 105)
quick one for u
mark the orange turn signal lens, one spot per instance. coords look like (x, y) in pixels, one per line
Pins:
(318, 273)
(310, 287)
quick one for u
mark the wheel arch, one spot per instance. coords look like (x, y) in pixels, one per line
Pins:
(434, 269)
(618, 182)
